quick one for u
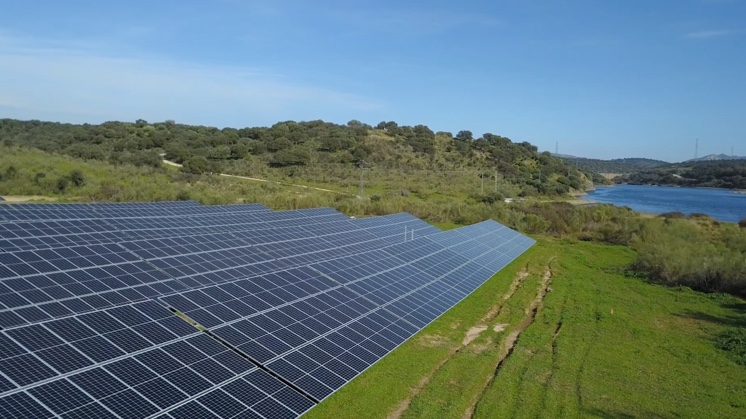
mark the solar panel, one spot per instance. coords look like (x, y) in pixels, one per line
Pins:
(287, 306)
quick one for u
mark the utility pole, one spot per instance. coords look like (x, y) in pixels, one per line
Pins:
(696, 148)
(495, 180)
(362, 181)
(481, 175)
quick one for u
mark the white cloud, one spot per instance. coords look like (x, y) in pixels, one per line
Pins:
(85, 82)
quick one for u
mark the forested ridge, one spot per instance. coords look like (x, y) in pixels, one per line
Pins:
(313, 150)
(728, 174)
(626, 165)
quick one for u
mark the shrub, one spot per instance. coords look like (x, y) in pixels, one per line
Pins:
(673, 214)
(183, 195)
(733, 341)
(695, 215)
(196, 165)
(742, 223)
(62, 184)
(77, 178)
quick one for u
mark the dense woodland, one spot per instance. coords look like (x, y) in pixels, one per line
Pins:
(612, 166)
(314, 151)
(729, 174)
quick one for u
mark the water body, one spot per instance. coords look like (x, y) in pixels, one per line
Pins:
(720, 204)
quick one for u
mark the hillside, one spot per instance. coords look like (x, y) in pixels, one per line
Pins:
(315, 151)
(713, 157)
(728, 174)
(627, 165)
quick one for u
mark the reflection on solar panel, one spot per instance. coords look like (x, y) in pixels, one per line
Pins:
(180, 310)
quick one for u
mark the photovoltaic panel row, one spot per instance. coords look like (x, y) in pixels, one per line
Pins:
(439, 279)
(408, 298)
(63, 233)
(51, 212)
(284, 313)
(21, 235)
(164, 226)
(131, 362)
(43, 284)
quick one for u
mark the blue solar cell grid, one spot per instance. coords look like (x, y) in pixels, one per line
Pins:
(96, 302)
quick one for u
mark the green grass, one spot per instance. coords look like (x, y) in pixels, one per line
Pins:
(602, 345)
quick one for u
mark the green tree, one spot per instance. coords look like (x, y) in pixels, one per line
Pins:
(62, 184)
(289, 158)
(464, 135)
(196, 165)
(11, 172)
(77, 178)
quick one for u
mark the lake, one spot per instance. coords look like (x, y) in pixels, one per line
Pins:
(720, 204)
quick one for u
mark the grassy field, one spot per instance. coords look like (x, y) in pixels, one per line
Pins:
(561, 332)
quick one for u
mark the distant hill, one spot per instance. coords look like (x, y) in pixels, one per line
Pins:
(714, 157)
(626, 165)
(316, 152)
(728, 174)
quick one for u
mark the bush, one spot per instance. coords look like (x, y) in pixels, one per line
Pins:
(709, 258)
(673, 215)
(62, 184)
(742, 223)
(695, 215)
(183, 195)
(733, 341)
(196, 165)
(77, 178)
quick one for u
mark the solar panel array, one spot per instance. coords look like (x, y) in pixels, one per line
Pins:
(180, 310)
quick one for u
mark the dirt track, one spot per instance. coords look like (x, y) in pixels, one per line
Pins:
(473, 333)
(171, 163)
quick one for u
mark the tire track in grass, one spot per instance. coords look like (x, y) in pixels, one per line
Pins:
(471, 334)
(538, 351)
(554, 344)
(511, 340)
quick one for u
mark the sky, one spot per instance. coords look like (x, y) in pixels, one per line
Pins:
(592, 78)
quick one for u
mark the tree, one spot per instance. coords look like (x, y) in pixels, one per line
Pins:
(289, 158)
(464, 135)
(196, 165)
(77, 178)
(62, 184)
(220, 152)
(11, 172)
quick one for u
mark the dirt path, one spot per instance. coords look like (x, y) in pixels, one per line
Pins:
(255, 179)
(517, 282)
(26, 198)
(512, 339)
(470, 336)
(172, 163)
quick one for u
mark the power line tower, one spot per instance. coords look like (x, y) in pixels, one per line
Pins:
(556, 147)
(696, 148)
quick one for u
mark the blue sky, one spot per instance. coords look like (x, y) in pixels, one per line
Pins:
(602, 78)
